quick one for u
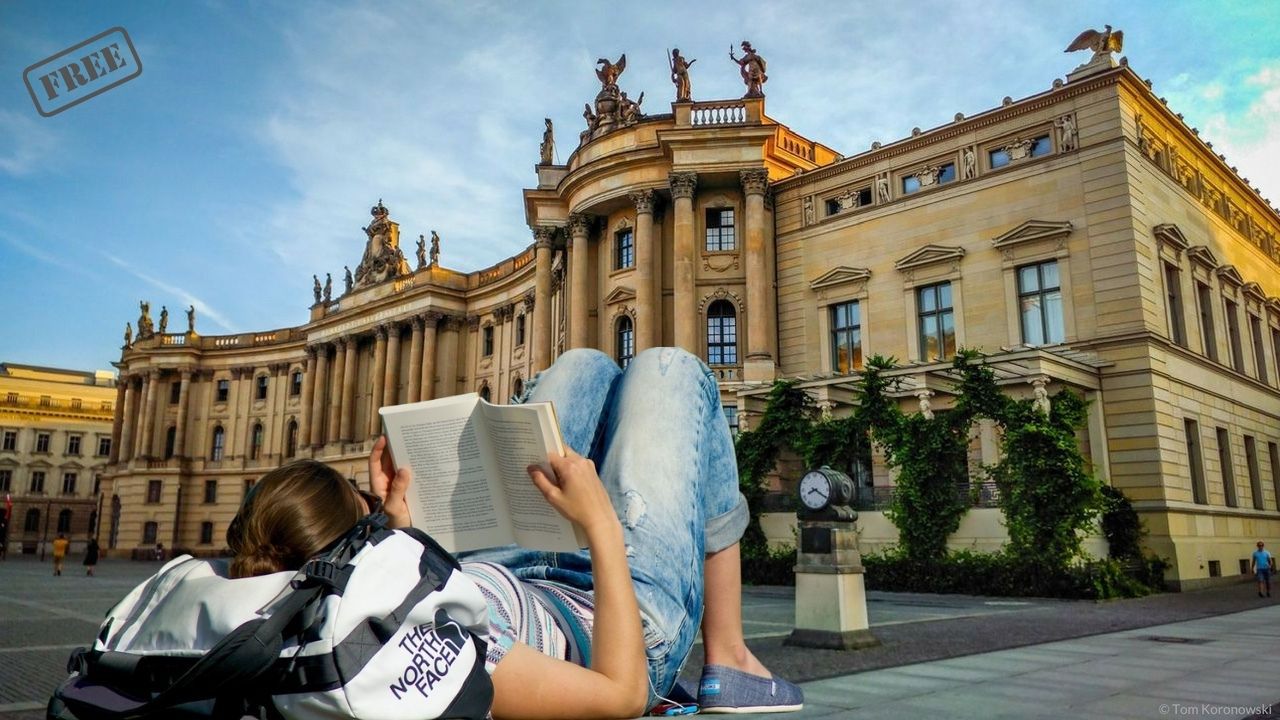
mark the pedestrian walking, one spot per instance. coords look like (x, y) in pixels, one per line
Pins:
(91, 553)
(160, 551)
(60, 552)
(1263, 565)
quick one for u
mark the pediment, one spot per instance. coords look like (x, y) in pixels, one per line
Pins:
(71, 465)
(929, 255)
(1171, 235)
(1274, 303)
(1203, 255)
(1033, 230)
(839, 275)
(1229, 274)
(8, 463)
(40, 463)
(1254, 290)
(620, 294)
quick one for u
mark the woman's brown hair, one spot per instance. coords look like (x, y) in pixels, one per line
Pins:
(289, 516)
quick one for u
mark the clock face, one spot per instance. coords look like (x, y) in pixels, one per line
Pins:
(815, 490)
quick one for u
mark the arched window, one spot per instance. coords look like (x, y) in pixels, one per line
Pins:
(625, 339)
(484, 392)
(722, 333)
(64, 521)
(291, 443)
(255, 441)
(32, 522)
(150, 531)
(219, 443)
(170, 437)
(518, 389)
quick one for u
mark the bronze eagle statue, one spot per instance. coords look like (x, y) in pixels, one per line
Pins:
(1099, 42)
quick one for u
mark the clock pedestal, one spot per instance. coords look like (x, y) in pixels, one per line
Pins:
(831, 595)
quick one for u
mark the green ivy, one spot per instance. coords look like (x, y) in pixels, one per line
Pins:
(787, 420)
(1120, 525)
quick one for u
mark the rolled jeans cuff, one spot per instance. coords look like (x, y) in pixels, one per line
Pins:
(724, 530)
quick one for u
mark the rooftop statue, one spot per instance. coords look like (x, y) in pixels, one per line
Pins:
(382, 259)
(608, 72)
(422, 252)
(435, 248)
(128, 335)
(1101, 43)
(145, 327)
(547, 150)
(680, 75)
(316, 288)
(348, 281)
(164, 319)
(191, 318)
(612, 107)
(752, 67)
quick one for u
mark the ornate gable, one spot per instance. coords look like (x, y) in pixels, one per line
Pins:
(1034, 230)
(1202, 255)
(620, 294)
(839, 275)
(1171, 235)
(929, 255)
(1254, 290)
(1229, 274)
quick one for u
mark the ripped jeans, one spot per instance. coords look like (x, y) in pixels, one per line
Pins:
(663, 450)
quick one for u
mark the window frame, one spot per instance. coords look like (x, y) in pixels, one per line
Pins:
(520, 329)
(218, 444)
(1195, 461)
(207, 532)
(222, 390)
(725, 236)
(69, 482)
(6, 480)
(624, 254)
(486, 341)
(155, 492)
(1208, 329)
(856, 354)
(624, 345)
(43, 441)
(35, 482)
(74, 444)
(104, 446)
(8, 440)
(150, 532)
(210, 491)
(262, 387)
(296, 379)
(1175, 310)
(257, 437)
(1042, 293)
(1226, 468)
(938, 313)
(719, 350)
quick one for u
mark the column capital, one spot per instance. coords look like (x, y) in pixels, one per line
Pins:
(579, 224)
(754, 181)
(503, 313)
(417, 322)
(683, 184)
(380, 332)
(643, 200)
(453, 322)
(528, 300)
(544, 236)
(473, 322)
(431, 317)
(311, 352)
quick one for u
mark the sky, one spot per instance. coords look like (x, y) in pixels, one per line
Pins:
(245, 157)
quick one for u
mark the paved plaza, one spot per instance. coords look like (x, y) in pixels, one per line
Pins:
(943, 656)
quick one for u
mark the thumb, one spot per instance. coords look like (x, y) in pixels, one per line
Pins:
(399, 485)
(545, 485)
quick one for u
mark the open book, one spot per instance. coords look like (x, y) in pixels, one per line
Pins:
(470, 488)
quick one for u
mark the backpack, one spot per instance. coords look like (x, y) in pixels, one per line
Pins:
(383, 626)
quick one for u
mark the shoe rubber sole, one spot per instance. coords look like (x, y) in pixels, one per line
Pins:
(704, 710)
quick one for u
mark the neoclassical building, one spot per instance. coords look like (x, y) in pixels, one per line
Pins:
(1083, 237)
(55, 440)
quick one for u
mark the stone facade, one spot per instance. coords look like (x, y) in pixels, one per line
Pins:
(1082, 237)
(55, 439)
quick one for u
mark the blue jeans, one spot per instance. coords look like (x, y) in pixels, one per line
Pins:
(662, 446)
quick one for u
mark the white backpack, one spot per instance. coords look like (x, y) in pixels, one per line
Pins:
(384, 626)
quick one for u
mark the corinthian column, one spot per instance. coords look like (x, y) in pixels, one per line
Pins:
(117, 422)
(125, 452)
(317, 401)
(759, 364)
(646, 302)
(180, 430)
(149, 383)
(415, 359)
(429, 321)
(579, 267)
(336, 394)
(379, 379)
(391, 382)
(449, 355)
(542, 330)
(308, 390)
(684, 261)
(345, 432)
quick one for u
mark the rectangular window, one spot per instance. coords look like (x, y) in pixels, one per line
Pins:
(848, 200)
(731, 415)
(488, 340)
(520, 320)
(69, 483)
(1273, 452)
(1195, 460)
(263, 385)
(175, 392)
(1173, 296)
(153, 491)
(73, 444)
(11, 398)
(624, 250)
(1228, 472)
(295, 383)
(1036, 147)
(846, 337)
(150, 531)
(46, 401)
(1204, 305)
(1255, 477)
(37, 482)
(6, 480)
(720, 230)
(1233, 336)
(10, 441)
(1040, 304)
(1259, 351)
(210, 492)
(42, 442)
(937, 323)
(206, 533)
(223, 390)
(947, 173)
(219, 444)
(76, 403)
(104, 446)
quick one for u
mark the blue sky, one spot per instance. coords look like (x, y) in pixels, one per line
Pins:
(246, 156)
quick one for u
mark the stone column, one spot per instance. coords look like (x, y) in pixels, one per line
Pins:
(449, 355)
(318, 400)
(378, 373)
(684, 262)
(149, 382)
(471, 359)
(391, 381)
(125, 450)
(337, 407)
(759, 364)
(429, 321)
(117, 422)
(308, 392)
(543, 335)
(415, 359)
(348, 419)
(646, 304)
(180, 430)
(579, 282)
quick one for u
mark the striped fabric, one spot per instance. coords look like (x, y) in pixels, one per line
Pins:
(549, 617)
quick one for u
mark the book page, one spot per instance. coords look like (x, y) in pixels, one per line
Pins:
(517, 436)
(451, 498)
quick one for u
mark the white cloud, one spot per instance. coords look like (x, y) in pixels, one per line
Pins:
(203, 309)
(26, 144)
